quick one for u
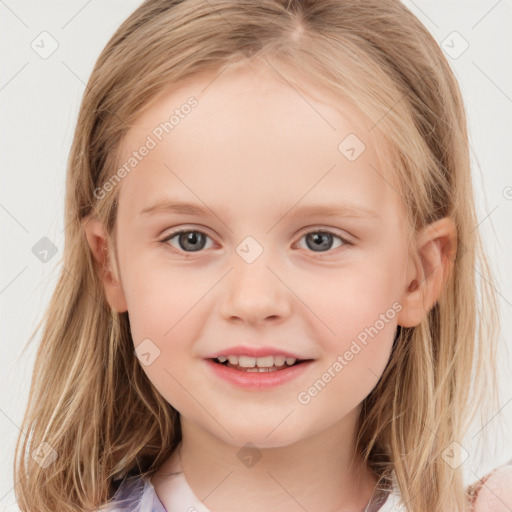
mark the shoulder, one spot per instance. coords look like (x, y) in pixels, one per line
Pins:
(493, 492)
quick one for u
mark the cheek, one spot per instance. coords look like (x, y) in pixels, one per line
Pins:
(360, 307)
(350, 300)
(160, 298)
(361, 314)
(165, 312)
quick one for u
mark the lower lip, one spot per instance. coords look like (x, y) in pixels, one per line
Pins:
(257, 380)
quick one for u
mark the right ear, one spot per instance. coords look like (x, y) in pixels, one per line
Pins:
(98, 243)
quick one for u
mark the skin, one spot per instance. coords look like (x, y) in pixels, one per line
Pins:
(252, 150)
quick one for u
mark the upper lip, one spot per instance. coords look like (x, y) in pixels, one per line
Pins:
(245, 350)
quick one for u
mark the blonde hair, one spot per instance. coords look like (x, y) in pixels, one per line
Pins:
(89, 398)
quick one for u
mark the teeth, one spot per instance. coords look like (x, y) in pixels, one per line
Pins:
(279, 360)
(267, 362)
(233, 359)
(246, 362)
(261, 370)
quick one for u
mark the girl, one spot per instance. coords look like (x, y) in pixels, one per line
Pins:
(315, 350)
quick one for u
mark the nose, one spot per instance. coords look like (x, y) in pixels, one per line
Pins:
(254, 292)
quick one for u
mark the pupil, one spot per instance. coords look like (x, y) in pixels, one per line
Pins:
(191, 237)
(320, 240)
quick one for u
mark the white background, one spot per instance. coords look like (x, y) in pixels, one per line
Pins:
(39, 100)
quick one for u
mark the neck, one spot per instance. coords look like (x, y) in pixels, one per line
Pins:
(322, 472)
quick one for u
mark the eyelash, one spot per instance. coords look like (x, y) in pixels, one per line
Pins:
(170, 236)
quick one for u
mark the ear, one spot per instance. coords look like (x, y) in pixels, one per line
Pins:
(98, 243)
(429, 271)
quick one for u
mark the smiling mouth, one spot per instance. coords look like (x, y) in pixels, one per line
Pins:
(252, 364)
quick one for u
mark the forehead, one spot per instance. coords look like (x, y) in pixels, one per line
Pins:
(250, 131)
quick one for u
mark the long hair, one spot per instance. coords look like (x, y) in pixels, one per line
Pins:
(93, 411)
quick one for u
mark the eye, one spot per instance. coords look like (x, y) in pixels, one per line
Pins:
(322, 240)
(189, 240)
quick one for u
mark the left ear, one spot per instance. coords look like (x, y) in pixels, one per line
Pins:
(428, 272)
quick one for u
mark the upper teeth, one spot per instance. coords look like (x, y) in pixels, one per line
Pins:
(260, 362)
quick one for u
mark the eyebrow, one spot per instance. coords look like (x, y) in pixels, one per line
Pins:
(331, 210)
(325, 209)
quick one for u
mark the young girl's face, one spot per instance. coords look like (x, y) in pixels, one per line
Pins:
(295, 242)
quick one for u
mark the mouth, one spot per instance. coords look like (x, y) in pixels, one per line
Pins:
(258, 374)
(258, 364)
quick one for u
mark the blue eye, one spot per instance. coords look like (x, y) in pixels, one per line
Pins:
(190, 240)
(322, 240)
